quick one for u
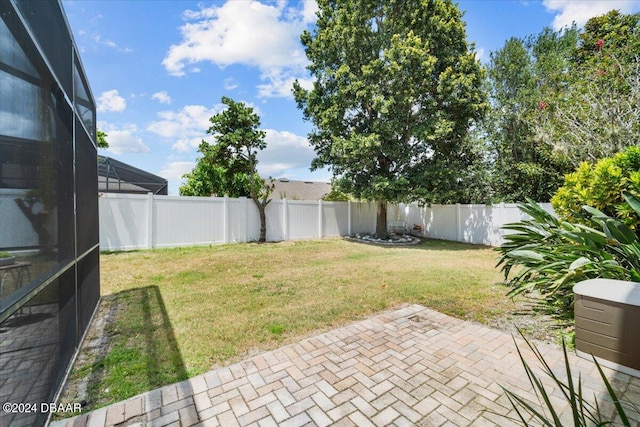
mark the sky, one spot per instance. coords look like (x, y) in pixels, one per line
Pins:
(158, 69)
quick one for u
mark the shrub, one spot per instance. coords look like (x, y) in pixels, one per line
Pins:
(601, 185)
(335, 196)
(553, 254)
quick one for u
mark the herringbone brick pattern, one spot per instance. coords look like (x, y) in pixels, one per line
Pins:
(412, 366)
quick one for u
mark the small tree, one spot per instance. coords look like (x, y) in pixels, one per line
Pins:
(229, 165)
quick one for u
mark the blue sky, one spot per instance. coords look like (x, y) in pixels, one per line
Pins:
(158, 69)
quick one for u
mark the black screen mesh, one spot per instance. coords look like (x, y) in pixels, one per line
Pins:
(48, 205)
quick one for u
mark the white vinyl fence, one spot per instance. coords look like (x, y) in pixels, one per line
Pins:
(146, 221)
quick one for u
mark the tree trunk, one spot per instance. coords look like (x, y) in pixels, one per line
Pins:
(381, 222)
(263, 222)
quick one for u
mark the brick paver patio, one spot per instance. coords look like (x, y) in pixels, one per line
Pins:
(411, 366)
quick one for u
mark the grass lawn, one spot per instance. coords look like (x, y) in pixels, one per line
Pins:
(177, 313)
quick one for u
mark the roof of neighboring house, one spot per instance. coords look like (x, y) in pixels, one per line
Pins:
(117, 177)
(299, 190)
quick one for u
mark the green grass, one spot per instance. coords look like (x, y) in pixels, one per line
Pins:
(181, 312)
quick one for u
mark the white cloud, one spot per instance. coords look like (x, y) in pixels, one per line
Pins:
(185, 127)
(281, 85)
(111, 101)
(162, 97)
(124, 138)
(97, 17)
(173, 171)
(230, 83)
(285, 151)
(309, 11)
(249, 33)
(109, 43)
(579, 11)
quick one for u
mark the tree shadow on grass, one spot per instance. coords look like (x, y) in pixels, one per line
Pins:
(131, 348)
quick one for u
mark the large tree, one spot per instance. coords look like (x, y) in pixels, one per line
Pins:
(522, 75)
(228, 166)
(598, 113)
(396, 90)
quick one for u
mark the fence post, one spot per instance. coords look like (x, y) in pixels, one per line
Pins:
(458, 225)
(225, 219)
(244, 207)
(285, 220)
(348, 217)
(149, 220)
(320, 219)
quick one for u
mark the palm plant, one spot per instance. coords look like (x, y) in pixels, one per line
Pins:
(553, 254)
(583, 412)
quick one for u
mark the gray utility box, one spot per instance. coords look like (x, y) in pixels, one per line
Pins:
(607, 316)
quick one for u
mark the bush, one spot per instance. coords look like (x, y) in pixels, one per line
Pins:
(601, 186)
(336, 196)
(553, 254)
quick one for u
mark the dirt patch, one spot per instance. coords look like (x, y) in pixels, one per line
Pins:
(534, 322)
(86, 371)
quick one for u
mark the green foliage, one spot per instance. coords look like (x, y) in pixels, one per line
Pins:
(101, 139)
(583, 412)
(336, 195)
(396, 90)
(549, 255)
(613, 31)
(601, 185)
(217, 174)
(595, 114)
(519, 74)
(560, 98)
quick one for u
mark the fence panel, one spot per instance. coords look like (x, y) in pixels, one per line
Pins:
(414, 216)
(335, 221)
(363, 217)
(511, 213)
(476, 224)
(276, 227)
(238, 212)
(303, 220)
(146, 221)
(441, 222)
(124, 222)
(194, 221)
